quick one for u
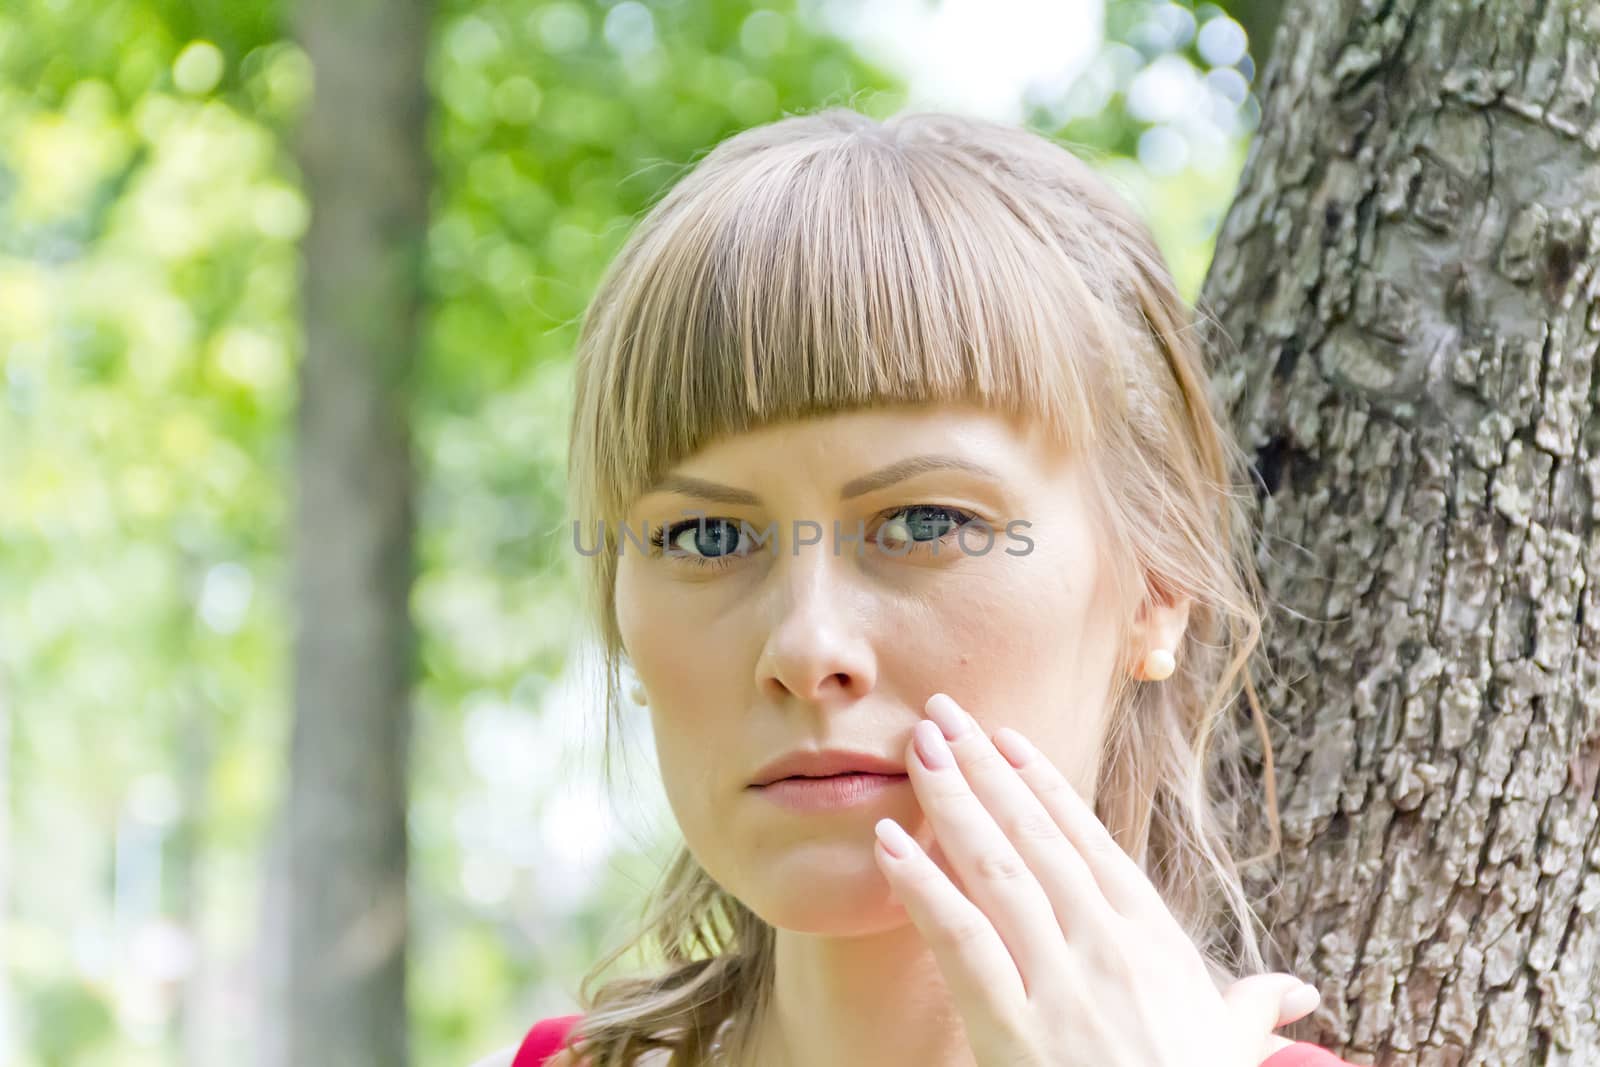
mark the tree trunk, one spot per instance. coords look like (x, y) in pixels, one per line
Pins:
(196, 758)
(364, 161)
(1407, 283)
(8, 1007)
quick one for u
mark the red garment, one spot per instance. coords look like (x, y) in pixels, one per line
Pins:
(1304, 1054)
(543, 1040)
(546, 1037)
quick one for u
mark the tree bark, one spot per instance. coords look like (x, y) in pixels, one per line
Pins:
(1406, 293)
(364, 161)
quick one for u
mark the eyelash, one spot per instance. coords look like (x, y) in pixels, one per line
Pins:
(661, 534)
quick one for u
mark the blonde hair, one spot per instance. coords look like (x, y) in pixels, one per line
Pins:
(827, 262)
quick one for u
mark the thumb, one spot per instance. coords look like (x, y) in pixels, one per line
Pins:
(1263, 1002)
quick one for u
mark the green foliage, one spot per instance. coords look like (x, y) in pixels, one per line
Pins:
(72, 1021)
(1165, 108)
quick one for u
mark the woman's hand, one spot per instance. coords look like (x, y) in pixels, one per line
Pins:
(1057, 950)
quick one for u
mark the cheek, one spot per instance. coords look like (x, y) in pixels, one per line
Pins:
(1026, 612)
(699, 780)
(626, 603)
(1026, 640)
(692, 695)
(642, 603)
(675, 759)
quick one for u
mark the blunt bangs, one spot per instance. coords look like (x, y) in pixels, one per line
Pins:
(857, 268)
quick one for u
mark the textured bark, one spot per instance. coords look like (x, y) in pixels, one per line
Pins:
(364, 159)
(1408, 276)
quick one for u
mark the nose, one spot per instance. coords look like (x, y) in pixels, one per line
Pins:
(817, 650)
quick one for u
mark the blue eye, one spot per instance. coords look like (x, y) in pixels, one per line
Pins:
(929, 523)
(702, 542)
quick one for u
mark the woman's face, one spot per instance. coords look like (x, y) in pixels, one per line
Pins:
(749, 651)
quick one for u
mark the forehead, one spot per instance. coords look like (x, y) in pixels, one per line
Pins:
(882, 432)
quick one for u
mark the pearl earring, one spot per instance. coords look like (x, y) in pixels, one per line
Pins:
(638, 694)
(1158, 664)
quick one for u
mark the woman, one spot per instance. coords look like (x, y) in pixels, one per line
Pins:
(900, 496)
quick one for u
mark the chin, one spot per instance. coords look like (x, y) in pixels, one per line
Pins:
(839, 899)
(813, 917)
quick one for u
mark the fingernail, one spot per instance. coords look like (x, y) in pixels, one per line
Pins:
(931, 746)
(1302, 1000)
(895, 840)
(1013, 746)
(948, 714)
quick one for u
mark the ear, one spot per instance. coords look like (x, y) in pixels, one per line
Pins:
(1161, 622)
(1167, 621)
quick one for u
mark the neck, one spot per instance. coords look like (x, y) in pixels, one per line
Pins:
(876, 1000)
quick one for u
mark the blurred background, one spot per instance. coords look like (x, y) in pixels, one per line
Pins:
(150, 214)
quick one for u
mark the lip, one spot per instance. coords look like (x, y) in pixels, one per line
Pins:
(825, 763)
(833, 792)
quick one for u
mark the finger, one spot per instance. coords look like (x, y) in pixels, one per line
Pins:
(1297, 1003)
(1079, 905)
(996, 877)
(977, 966)
(1261, 1003)
(1121, 881)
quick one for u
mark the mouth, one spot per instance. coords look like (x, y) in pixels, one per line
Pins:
(842, 776)
(825, 777)
(826, 764)
(848, 789)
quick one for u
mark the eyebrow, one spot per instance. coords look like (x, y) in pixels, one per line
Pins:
(898, 471)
